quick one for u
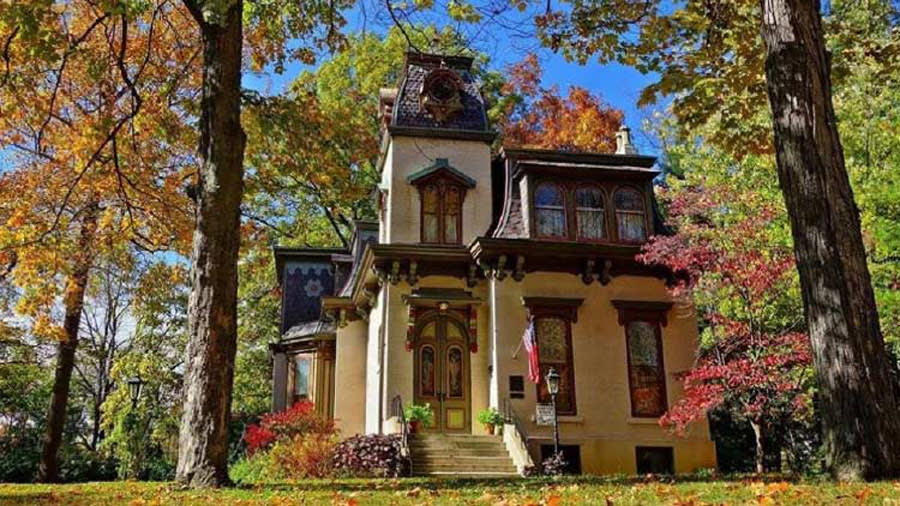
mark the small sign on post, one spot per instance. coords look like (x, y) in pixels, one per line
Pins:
(543, 414)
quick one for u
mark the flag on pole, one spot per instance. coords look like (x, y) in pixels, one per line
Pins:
(529, 341)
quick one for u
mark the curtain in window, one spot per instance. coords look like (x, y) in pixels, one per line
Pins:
(630, 215)
(553, 352)
(430, 214)
(589, 213)
(451, 215)
(550, 211)
(645, 369)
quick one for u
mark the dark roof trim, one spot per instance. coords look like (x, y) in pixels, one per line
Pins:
(283, 253)
(429, 59)
(441, 166)
(443, 133)
(552, 155)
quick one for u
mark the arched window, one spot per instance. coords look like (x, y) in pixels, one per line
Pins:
(630, 220)
(452, 206)
(589, 213)
(550, 211)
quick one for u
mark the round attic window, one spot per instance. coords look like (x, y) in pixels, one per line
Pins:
(441, 94)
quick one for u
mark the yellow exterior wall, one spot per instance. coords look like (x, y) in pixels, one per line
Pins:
(602, 425)
(350, 378)
(407, 155)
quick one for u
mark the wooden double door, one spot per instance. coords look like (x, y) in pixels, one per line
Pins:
(442, 375)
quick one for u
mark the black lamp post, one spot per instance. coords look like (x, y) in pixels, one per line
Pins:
(135, 385)
(553, 388)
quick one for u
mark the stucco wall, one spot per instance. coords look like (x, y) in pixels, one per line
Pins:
(373, 369)
(407, 155)
(350, 378)
(400, 372)
(603, 424)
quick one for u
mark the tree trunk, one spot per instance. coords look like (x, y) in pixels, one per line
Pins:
(212, 310)
(76, 283)
(859, 408)
(760, 452)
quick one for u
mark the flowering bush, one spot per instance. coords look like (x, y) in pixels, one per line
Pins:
(370, 455)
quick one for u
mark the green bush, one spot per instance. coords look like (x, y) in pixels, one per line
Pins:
(490, 416)
(420, 413)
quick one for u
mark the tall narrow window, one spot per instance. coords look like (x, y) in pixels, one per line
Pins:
(441, 213)
(646, 374)
(630, 216)
(431, 213)
(301, 376)
(589, 213)
(451, 215)
(550, 211)
(555, 351)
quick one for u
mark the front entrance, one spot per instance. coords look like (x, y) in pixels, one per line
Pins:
(442, 373)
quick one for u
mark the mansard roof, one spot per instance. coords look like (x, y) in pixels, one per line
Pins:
(409, 117)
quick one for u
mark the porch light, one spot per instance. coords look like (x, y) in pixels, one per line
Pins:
(135, 385)
(552, 381)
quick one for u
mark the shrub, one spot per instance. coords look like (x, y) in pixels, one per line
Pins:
(490, 417)
(554, 465)
(296, 443)
(420, 413)
(303, 456)
(370, 455)
(299, 419)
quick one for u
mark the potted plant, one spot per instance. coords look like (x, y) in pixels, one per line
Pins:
(419, 415)
(490, 418)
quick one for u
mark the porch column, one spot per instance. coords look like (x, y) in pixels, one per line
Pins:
(279, 380)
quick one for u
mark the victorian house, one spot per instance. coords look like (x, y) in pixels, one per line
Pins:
(430, 303)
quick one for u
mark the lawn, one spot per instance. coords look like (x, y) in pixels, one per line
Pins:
(682, 492)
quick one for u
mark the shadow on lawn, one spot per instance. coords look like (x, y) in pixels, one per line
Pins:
(523, 484)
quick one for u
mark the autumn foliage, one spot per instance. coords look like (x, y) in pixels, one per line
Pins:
(537, 117)
(725, 254)
(298, 420)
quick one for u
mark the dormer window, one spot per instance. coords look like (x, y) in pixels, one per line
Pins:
(550, 211)
(631, 222)
(589, 213)
(442, 190)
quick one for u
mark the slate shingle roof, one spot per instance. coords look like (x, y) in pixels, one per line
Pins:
(406, 111)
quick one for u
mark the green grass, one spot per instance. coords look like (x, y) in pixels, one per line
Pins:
(569, 491)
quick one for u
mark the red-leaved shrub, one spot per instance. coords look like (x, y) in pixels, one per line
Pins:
(300, 419)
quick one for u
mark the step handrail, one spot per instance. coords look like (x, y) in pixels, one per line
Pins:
(400, 413)
(521, 436)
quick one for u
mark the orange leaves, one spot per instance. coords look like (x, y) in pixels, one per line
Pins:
(538, 117)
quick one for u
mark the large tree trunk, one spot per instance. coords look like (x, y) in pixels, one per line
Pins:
(859, 408)
(76, 283)
(212, 311)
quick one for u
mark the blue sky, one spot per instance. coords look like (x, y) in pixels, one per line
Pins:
(619, 85)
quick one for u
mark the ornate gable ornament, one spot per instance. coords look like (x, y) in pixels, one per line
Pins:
(441, 93)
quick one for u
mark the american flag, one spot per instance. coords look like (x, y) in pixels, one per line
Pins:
(529, 341)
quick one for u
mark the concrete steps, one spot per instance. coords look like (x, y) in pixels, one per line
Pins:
(460, 456)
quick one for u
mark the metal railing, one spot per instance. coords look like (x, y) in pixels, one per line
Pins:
(398, 411)
(509, 413)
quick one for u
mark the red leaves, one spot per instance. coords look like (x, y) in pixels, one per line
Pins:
(727, 256)
(299, 419)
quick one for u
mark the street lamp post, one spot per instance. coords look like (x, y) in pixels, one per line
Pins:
(553, 388)
(135, 385)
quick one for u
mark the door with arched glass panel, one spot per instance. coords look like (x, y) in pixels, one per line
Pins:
(442, 373)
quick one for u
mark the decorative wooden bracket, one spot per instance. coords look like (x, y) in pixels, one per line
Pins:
(519, 272)
(587, 277)
(413, 276)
